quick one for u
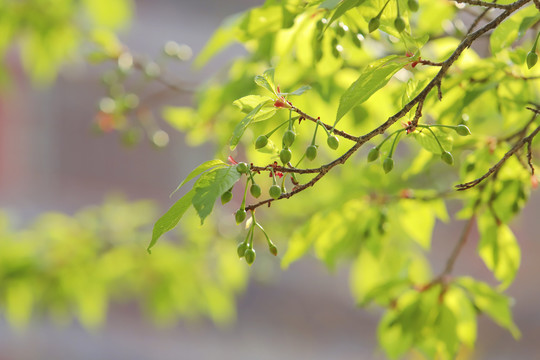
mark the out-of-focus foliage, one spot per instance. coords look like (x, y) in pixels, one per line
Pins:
(49, 33)
(75, 266)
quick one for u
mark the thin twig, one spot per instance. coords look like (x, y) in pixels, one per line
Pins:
(484, 4)
(501, 162)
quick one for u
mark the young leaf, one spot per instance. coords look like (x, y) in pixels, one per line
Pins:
(371, 79)
(246, 104)
(266, 80)
(169, 220)
(242, 126)
(211, 186)
(426, 139)
(489, 301)
(199, 170)
(298, 91)
(499, 249)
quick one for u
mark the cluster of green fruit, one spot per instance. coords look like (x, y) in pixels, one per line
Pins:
(245, 249)
(388, 162)
(289, 137)
(337, 31)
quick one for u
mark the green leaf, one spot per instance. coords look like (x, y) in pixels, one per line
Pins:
(499, 249)
(211, 186)
(246, 104)
(302, 240)
(342, 8)
(426, 139)
(266, 80)
(420, 231)
(526, 24)
(489, 301)
(462, 307)
(169, 220)
(329, 4)
(298, 91)
(199, 170)
(371, 79)
(222, 38)
(242, 126)
(506, 33)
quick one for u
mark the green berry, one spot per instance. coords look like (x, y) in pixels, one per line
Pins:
(273, 249)
(241, 249)
(249, 255)
(242, 168)
(255, 190)
(374, 24)
(321, 23)
(532, 59)
(333, 142)
(388, 165)
(341, 29)
(399, 24)
(275, 191)
(261, 142)
(447, 158)
(413, 5)
(357, 39)
(288, 138)
(311, 152)
(373, 154)
(285, 155)
(240, 216)
(226, 197)
(463, 130)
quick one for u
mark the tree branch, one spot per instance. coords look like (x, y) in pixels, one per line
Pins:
(484, 4)
(497, 166)
(419, 99)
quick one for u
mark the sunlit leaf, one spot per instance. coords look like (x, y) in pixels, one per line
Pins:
(489, 301)
(210, 186)
(371, 79)
(199, 170)
(171, 218)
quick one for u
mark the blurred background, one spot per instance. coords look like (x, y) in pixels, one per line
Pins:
(52, 160)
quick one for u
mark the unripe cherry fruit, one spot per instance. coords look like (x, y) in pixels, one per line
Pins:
(275, 191)
(240, 215)
(413, 5)
(311, 152)
(285, 155)
(399, 24)
(255, 190)
(226, 197)
(242, 168)
(241, 249)
(273, 249)
(388, 165)
(261, 142)
(333, 142)
(373, 154)
(463, 130)
(288, 138)
(374, 24)
(447, 158)
(249, 255)
(532, 59)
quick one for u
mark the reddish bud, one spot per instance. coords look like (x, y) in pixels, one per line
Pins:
(232, 161)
